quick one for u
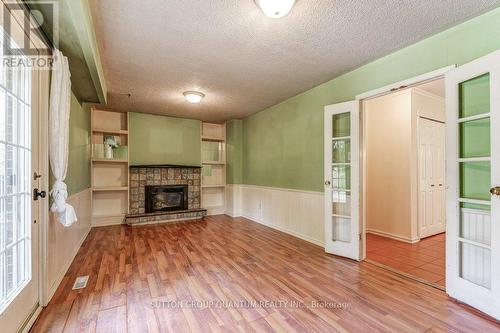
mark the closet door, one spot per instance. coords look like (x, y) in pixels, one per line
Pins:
(431, 213)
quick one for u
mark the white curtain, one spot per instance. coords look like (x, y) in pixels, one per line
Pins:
(60, 104)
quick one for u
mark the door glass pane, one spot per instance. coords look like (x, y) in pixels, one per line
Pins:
(341, 177)
(475, 223)
(341, 125)
(341, 203)
(341, 151)
(475, 138)
(341, 229)
(475, 180)
(15, 180)
(474, 96)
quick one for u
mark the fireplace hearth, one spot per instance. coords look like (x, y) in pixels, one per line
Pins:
(166, 198)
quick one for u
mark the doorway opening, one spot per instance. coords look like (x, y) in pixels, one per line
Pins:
(472, 183)
(403, 187)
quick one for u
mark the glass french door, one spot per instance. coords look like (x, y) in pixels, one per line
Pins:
(473, 178)
(19, 252)
(342, 223)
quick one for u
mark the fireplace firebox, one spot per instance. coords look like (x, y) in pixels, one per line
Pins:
(166, 198)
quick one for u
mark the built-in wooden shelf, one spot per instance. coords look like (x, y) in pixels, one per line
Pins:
(108, 160)
(165, 166)
(213, 175)
(109, 188)
(110, 176)
(110, 131)
(212, 138)
(213, 162)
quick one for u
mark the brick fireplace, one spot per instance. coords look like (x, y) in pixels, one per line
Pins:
(162, 193)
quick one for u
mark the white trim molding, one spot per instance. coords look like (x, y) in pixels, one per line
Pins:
(392, 236)
(295, 212)
(406, 83)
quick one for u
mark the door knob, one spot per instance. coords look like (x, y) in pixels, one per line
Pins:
(38, 194)
(327, 183)
(495, 190)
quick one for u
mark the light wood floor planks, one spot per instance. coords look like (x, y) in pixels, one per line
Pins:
(136, 272)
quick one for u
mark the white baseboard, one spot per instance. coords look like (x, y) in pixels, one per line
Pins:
(392, 236)
(228, 213)
(32, 318)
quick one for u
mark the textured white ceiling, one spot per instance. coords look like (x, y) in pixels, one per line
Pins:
(244, 61)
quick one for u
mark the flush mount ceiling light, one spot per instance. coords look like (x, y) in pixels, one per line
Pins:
(193, 97)
(275, 8)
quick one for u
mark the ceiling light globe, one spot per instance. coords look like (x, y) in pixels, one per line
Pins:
(275, 8)
(193, 97)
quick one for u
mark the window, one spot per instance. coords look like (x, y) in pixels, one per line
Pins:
(15, 179)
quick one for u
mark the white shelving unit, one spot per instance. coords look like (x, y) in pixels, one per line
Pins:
(213, 157)
(110, 177)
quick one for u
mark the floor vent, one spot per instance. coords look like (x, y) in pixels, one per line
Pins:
(81, 282)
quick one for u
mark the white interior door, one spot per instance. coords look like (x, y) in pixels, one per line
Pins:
(342, 230)
(431, 140)
(472, 171)
(19, 235)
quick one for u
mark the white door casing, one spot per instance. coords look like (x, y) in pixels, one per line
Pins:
(472, 166)
(342, 223)
(431, 157)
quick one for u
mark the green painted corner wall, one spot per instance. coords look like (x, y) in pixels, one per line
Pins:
(234, 152)
(283, 145)
(78, 174)
(164, 140)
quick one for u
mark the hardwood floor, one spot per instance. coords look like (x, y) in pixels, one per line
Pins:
(136, 273)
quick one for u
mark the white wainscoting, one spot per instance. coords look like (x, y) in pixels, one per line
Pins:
(233, 200)
(63, 243)
(475, 260)
(298, 213)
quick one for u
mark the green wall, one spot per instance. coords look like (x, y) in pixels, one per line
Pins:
(78, 175)
(234, 152)
(164, 140)
(283, 145)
